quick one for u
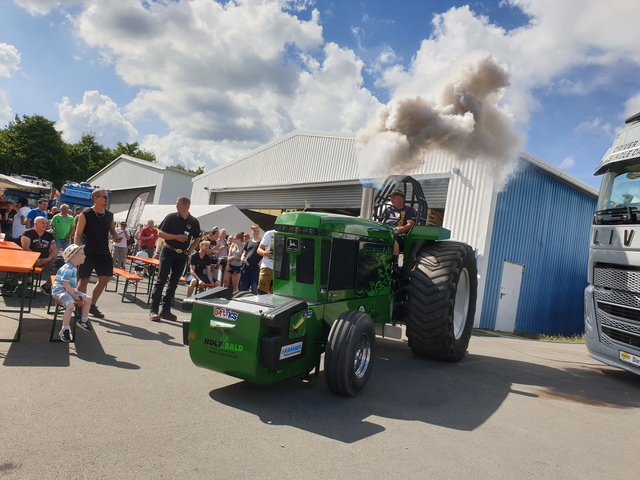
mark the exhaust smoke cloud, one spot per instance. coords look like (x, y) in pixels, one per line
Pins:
(463, 119)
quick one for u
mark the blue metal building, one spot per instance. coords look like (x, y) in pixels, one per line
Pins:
(539, 253)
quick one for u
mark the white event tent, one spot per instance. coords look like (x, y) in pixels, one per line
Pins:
(221, 216)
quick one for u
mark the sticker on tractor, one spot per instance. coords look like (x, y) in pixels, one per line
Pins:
(224, 345)
(293, 245)
(222, 312)
(290, 350)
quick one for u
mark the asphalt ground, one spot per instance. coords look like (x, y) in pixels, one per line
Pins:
(126, 402)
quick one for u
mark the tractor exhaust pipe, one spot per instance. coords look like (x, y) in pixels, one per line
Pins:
(366, 207)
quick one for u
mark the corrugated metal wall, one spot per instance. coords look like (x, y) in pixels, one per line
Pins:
(294, 159)
(469, 203)
(124, 173)
(544, 225)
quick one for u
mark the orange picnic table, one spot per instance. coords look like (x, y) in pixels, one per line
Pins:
(21, 263)
(148, 261)
(10, 245)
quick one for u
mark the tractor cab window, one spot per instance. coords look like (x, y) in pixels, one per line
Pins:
(343, 264)
(298, 250)
(305, 261)
(373, 267)
(281, 259)
(358, 265)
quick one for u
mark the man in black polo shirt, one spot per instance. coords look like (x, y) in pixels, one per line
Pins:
(181, 232)
(38, 239)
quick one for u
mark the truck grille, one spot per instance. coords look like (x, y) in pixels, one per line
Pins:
(620, 312)
(617, 279)
(618, 306)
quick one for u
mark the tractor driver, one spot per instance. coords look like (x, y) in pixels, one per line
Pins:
(401, 217)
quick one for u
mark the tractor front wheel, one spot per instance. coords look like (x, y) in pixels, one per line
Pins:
(349, 355)
(441, 301)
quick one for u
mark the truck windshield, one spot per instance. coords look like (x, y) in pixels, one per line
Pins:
(620, 192)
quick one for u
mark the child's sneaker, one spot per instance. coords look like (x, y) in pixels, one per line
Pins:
(65, 335)
(85, 324)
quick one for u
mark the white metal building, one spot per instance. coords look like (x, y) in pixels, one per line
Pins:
(319, 170)
(127, 176)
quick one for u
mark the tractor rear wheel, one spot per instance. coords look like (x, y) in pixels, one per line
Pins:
(441, 301)
(349, 355)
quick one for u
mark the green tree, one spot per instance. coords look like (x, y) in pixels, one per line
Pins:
(87, 157)
(31, 145)
(133, 150)
(197, 171)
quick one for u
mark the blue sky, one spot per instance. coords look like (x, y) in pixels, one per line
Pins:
(200, 83)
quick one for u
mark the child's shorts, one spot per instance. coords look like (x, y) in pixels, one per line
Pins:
(65, 298)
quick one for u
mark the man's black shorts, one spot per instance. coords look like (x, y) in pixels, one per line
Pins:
(102, 264)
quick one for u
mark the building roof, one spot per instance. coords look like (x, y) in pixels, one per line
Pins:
(321, 157)
(559, 174)
(299, 157)
(141, 163)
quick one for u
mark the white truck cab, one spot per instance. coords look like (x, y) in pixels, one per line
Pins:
(612, 299)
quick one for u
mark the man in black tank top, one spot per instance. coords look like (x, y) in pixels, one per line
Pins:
(93, 227)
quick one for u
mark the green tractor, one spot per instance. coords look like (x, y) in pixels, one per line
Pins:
(335, 283)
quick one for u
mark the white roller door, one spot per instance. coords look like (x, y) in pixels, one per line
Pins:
(325, 197)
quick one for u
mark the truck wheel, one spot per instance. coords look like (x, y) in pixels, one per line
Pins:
(349, 355)
(441, 301)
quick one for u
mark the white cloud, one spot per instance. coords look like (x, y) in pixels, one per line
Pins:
(567, 163)
(174, 149)
(237, 74)
(9, 60)
(201, 73)
(42, 7)
(595, 125)
(632, 106)
(9, 63)
(96, 114)
(5, 109)
(331, 95)
(560, 38)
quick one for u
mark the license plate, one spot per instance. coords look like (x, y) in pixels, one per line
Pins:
(630, 358)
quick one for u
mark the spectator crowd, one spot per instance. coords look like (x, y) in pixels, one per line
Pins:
(75, 245)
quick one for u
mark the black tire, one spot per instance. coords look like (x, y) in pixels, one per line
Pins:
(441, 301)
(348, 359)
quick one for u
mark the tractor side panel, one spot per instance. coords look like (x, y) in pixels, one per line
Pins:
(378, 308)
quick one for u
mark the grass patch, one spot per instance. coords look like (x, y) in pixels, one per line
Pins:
(553, 338)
